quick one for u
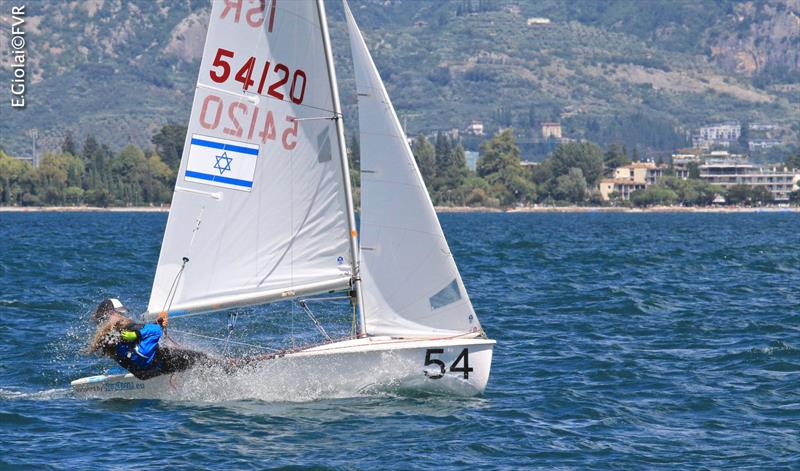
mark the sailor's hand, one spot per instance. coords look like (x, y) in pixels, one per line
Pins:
(163, 320)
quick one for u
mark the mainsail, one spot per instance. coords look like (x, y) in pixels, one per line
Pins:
(259, 211)
(410, 281)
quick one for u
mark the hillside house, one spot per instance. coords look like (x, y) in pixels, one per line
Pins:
(475, 128)
(721, 134)
(551, 130)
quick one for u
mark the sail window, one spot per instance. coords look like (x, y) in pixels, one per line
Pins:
(448, 295)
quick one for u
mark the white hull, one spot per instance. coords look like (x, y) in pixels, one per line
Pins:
(342, 369)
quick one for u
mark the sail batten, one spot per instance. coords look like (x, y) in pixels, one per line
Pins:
(259, 208)
(411, 283)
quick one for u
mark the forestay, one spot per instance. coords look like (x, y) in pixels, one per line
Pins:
(410, 280)
(259, 206)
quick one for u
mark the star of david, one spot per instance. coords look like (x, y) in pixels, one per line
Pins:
(223, 163)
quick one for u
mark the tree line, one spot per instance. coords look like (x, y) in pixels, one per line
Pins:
(500, 179)
(94, 175)
(569, 175)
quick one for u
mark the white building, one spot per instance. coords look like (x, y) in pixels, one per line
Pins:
(758, 144)
(728, 172)
(535, 21)
(721, 134)
(475, 128)
(762, 126)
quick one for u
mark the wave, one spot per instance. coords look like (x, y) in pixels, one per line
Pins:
(44, 395)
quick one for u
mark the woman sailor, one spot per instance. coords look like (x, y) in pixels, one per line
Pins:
(136, 346)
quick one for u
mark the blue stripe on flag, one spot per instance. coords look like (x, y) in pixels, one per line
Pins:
(219, 145)
(217, 178)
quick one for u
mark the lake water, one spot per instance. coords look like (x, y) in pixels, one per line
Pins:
(624, 341)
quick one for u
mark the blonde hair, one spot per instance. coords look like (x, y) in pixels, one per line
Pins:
(107, 333)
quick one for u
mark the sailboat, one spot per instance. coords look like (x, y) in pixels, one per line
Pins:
(263, 212)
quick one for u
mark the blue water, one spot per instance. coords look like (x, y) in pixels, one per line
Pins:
(625, 341)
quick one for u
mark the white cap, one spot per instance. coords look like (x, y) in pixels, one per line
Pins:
(118, 305)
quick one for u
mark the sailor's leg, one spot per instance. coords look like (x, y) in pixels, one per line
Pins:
(146, 374)
(137, 372)
(173, 359)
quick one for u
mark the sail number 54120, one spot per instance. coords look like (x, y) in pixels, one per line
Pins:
(222, 69)
(235, 121)
(463, 357)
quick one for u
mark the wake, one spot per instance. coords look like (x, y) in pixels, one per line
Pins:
(44, 395)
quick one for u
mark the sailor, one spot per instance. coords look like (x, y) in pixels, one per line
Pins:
(136, 346)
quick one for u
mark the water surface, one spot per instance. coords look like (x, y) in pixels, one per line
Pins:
(624, 341)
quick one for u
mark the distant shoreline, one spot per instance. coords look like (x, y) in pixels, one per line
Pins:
(83, 209)
(439, 209)
(609, 209)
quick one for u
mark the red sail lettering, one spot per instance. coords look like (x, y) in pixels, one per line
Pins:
(245, 72)
(272, 15)
(236, 130)
(232, 4)
(269, 128)
(273, 89)
(255, 15)
(292, 131)
(204, 112)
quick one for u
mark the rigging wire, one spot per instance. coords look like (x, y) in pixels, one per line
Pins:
(232, 316)
(325, 298)
(173, 290)
(354, 323)
(314, 319)
(232, 342)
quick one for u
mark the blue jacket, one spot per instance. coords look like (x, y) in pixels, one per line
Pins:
(141, 352)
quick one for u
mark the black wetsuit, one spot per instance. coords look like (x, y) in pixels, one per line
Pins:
(165, 361)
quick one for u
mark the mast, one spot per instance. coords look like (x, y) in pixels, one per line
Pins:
(351, 218)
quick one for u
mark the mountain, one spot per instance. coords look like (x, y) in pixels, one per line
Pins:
(645, 73)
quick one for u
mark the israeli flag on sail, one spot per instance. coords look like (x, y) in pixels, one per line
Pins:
(221, 162)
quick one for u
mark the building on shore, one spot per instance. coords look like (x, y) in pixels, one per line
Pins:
(716, 168)
(619, 188)
(681, 164)
(727, 172)
(629, 178)
(641, 172)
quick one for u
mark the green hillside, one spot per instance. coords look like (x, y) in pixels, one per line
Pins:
(644, 73)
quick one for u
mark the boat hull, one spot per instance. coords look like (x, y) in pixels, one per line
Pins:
(342, 369)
